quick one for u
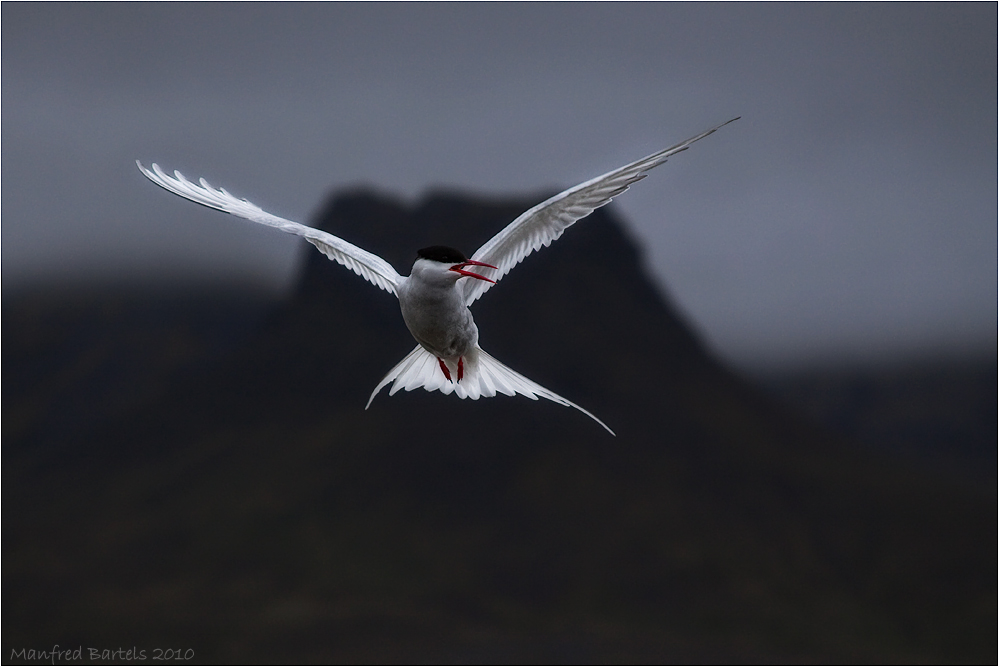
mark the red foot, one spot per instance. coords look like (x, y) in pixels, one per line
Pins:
(447, 373)
(461, 369)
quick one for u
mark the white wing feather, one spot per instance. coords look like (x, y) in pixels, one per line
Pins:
(371, 267)
(484, 377)
(548, 220)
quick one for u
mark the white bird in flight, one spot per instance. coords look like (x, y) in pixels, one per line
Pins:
(434, 299)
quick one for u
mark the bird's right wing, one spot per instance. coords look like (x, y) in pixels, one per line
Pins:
(548, 220)
(371, 267)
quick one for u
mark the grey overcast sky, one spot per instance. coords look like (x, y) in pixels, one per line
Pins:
(850, 216)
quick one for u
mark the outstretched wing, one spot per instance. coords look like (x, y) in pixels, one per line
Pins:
(548, 220)
(371, 267)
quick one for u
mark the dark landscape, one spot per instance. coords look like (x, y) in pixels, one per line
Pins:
(197, 471)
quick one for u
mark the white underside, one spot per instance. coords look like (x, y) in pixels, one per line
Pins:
(483, 377)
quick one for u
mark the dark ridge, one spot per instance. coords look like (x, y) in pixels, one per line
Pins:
(181, 473)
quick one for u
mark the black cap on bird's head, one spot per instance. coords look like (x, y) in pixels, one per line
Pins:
(442, 253)
(448, 255)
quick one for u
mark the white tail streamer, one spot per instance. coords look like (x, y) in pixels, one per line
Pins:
(483, 377)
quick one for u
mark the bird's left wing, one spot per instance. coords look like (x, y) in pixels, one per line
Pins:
(369, 266)
(548, 220)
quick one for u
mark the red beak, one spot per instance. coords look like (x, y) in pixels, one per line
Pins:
(459, 269)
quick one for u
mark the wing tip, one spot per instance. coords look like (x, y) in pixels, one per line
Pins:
(147, 171)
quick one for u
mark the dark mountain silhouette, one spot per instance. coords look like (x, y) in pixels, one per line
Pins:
(940, 413)
(198, 472)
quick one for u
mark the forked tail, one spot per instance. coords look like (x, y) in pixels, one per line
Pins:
(483, 376)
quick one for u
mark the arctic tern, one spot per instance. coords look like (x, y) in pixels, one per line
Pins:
(434, 298)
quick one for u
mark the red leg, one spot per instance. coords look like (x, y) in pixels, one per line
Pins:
(461, 368)
(447, 373)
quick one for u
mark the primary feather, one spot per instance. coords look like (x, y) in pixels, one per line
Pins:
(547, 221)
(369, 266)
